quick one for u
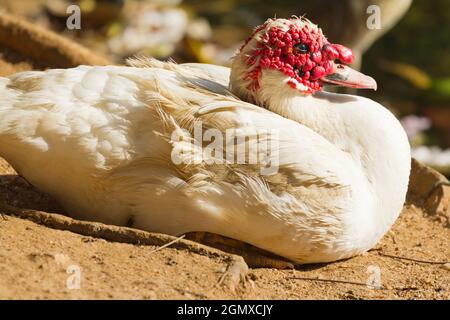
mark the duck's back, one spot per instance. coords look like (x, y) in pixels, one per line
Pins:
(62, 128)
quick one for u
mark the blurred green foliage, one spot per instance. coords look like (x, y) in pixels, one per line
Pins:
(421, 39)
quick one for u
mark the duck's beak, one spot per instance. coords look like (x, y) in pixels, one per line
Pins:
(347, 77)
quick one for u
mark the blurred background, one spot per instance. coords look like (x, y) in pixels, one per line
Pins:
(409, 55)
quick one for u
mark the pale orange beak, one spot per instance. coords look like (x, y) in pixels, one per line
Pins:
(347, 77)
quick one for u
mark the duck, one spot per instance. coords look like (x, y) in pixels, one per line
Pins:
(258, 152)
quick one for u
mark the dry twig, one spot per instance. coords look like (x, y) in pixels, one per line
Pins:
(168, 244)
(411, 259)
(334, 281)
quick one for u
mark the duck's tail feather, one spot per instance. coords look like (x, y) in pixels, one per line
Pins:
(7, 98)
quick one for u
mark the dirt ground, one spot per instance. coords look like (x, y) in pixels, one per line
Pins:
(38, 261)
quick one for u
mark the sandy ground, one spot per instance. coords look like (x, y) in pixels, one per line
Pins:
(37, 262)
(34, 261)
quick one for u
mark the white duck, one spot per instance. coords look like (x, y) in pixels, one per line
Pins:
(100, 140)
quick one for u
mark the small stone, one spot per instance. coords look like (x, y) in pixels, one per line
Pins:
(62, 259)
(253, 276)
(171, 262)
(446, 266)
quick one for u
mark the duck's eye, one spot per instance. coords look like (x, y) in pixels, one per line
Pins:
(301, 47)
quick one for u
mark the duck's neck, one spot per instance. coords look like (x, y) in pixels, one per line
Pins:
(368, 133)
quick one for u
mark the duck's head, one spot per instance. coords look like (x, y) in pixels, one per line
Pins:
(293, 52)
